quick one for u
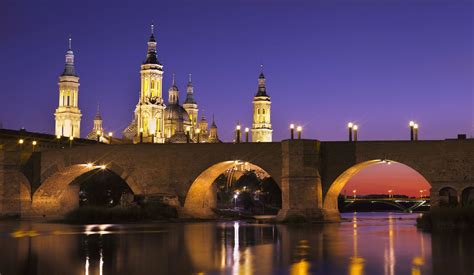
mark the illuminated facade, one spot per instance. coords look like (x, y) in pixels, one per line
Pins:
(148, 122)
(68, 115)
(261, 126)
(153, 121)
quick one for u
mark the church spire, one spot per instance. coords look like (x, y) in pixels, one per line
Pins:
(69, 64)
(151, 57)
(262, 90)
(190, 92)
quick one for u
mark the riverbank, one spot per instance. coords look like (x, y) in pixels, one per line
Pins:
(447, 219)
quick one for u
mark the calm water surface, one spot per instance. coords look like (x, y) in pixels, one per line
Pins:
(369, 243)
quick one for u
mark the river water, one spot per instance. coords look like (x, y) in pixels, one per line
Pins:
(367, 243)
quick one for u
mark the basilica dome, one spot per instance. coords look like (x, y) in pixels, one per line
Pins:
(175, 111)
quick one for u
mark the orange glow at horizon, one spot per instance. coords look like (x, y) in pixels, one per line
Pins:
(380, 178)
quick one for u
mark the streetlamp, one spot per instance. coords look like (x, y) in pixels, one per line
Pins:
(236, 195)
(198, 133)
(415, 129)
(141, 135)
(34, 144)
(71, 138)
(292, 131)
(390, 193)
(237, 133)
(350, 125)
(421, 194)
(355, 128)
(110, 137)
(188, 129)
(98, 135)
(411, 124)
(354, 192)
(247, 134)
(299, 129)
(21, 141)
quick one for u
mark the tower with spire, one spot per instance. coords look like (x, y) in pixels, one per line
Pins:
(149, 112)
(190, 105)
(213, 137)
(98, 129)
(261, 126)
(68, 115)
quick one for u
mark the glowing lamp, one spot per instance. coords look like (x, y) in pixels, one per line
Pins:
(237, 127)
(299, 128)
(292, 126)
(21, 141)
(411, 124)
(58, 136)
(350, 125)
(110, 134)
(34, 143)
(247, 129)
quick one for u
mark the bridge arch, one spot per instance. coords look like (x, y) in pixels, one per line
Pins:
(58, 193)
(331, 198)
(448, 196)
(201, 197)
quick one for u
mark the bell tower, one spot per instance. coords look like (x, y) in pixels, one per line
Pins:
(68, 115)
(261, 126)
(149, 111)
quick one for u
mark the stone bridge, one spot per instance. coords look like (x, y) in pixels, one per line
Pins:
(310, 173)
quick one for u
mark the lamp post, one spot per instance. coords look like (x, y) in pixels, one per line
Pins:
(58, 138)
(421, 194)
(110, 137)
(354, 192)
(20, 142)
(390, 193)
(188, 129)
(34, 144)
(415, 130)
(237, 133)
(71, 138)
(198, 133)
(411, 124)
(247, 134)
(350, 125)
(299, 129)
(141, 135)
(292, 131)
(355, 128)
(98, 135)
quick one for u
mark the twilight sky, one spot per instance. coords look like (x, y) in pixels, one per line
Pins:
(378, 63)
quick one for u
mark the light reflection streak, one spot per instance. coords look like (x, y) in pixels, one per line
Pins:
(236, 254)
(87, 266)
(356, 265)
(389, 255)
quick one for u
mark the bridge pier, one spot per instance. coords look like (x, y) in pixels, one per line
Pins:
(300, 182)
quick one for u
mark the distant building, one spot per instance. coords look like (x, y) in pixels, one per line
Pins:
(261, 126)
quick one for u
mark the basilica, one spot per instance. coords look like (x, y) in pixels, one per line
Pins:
(155, 121)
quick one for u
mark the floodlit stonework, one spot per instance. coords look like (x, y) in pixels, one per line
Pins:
(262, 125)
(68, 115)
(310, 173)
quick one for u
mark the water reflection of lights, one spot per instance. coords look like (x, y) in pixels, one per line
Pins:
(97, 229)
(356, 264)
(87, 266)
(302, 266)
(389, 254)
(24, 233)
(236, 253)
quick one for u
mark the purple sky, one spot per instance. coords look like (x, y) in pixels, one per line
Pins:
(378, 63)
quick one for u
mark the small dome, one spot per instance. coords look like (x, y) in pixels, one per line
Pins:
(175, 111)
